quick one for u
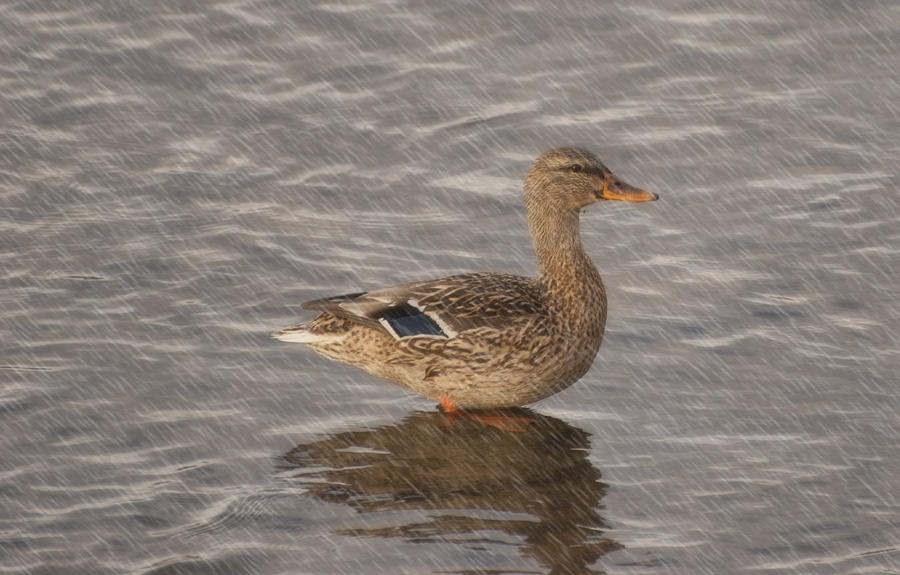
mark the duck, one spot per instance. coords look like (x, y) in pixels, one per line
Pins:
(488, 340)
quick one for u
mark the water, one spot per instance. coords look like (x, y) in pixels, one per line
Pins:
(178, 178)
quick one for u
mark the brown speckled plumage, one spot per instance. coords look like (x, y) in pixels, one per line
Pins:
(497, 340)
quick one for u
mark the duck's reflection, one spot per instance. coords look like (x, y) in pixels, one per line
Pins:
(537, 486)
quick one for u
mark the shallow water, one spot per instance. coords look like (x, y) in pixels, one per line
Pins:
(177, 179)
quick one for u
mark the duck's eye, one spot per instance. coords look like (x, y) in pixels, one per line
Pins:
(576, 168)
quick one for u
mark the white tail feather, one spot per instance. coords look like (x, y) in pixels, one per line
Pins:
(302, 335)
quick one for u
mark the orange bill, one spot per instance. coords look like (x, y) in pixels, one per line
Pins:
(619, 190)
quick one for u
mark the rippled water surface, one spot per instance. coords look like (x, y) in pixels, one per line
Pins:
(178, 177)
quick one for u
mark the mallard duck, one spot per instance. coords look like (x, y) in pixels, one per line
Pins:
(487, 340)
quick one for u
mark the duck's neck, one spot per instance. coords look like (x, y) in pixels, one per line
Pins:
(557, 243)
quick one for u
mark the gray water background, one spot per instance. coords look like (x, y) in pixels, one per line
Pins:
(177, 177)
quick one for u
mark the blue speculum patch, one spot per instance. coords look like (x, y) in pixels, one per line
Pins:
(406, 320)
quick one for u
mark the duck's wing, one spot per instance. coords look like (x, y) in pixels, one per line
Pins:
(443, 307)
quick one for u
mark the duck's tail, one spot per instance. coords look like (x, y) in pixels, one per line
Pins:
(303, 333)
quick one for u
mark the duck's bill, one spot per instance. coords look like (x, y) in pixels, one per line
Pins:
(625, 192)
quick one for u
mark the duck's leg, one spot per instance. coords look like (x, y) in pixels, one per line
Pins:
(494, 418)
(449, 410)
(447, 405)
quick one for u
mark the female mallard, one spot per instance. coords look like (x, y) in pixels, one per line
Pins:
(486, 340)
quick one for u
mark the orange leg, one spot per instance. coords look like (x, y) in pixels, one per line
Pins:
(494, 418)
(447, 405)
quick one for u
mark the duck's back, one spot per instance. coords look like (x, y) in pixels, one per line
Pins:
(443, 308)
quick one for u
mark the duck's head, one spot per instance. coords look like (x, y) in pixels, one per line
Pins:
(572, 178)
